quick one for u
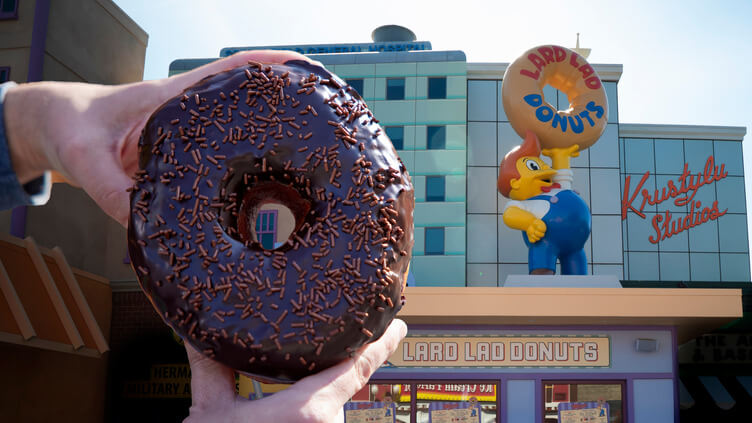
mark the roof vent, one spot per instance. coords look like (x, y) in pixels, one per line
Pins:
(391, 33)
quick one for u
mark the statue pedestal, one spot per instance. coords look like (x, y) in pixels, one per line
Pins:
(562, 281)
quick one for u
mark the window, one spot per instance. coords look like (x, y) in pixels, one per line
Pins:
(425, 401)
(436, 137)
(564, 400)
(395, 89)
(357, 85)
(434, 241)
(387, 401)
(266, 228)
(8, 9)
(435, 188)
(4, 74)
(437, 87)
(397, 135)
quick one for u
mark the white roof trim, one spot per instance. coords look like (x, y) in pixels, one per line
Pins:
(695, 132)
(481, 70)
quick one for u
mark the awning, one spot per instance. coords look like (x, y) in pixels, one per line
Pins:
(44, 303)
(692, 311)
(685, 398)
(719, 395)
(746, 382)
(718, 392)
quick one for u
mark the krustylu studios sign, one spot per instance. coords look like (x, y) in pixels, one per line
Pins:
(682, 191)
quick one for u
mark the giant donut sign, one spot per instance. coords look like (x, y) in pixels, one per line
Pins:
(522, 95)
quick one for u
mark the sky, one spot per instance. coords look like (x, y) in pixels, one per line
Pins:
(685, 62)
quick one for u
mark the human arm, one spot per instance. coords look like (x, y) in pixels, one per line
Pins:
(316, 398)
(523, 220)
(89, 133)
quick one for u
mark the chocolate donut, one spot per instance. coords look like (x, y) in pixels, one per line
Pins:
(298, 137)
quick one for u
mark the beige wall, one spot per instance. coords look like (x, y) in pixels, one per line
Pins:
(18, 60)
(16, 33)
(87, 41)
(16, 41)
(90, 239)
(95, 41)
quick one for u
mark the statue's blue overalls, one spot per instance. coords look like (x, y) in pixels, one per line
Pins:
(567, 229)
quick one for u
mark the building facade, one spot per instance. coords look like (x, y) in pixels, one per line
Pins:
(447, 121)
(58, 326)
(668, 210)
(75, 41)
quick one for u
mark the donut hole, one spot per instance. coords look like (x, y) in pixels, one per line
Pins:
(268, 214)
(556, 97)
(274, 223)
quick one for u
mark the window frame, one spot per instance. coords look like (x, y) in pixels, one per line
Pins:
(402, 138)
(404, 82)
(9, 15)
(443, 241)
(266, 224)
(442, 95)
(414, 382)
(431, 199)
(443, 130)
(358, 80)
(621, 382)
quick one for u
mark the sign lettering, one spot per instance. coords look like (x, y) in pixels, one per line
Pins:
(337, 48)
(502, 351)
(683, 193)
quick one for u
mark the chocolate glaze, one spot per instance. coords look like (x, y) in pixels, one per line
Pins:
(336, 284)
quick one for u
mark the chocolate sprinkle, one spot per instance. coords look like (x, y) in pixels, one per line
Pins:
(286, 132)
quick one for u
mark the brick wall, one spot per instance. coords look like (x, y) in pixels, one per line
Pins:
(133, 317)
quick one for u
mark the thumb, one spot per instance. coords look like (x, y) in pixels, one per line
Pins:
(106, 183)
(212, 383)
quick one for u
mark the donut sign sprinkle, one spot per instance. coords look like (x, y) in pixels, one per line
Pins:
(582, 123)
(554, 220)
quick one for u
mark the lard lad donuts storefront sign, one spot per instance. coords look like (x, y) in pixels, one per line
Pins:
(682, 192)
(503, 351)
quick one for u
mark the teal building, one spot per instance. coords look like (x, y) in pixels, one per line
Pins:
(446, 119)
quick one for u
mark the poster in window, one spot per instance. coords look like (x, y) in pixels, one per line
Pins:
(454, 412)
(578, 412)
(370, 412)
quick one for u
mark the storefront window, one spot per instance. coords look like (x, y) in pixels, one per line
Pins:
(436, 402)
(456, 402)
(379, 403)
(595, 402)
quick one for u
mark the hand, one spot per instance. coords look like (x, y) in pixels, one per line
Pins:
(536, 230)
(89, 133)
(316, 398)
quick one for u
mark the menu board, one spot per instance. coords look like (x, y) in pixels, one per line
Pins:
(454, 412)
(578, 412)
(370, 412)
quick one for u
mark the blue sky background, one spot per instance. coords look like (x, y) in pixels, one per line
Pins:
(685, 62)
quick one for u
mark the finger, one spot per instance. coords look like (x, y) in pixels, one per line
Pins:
(339, 383)
(212, 383)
